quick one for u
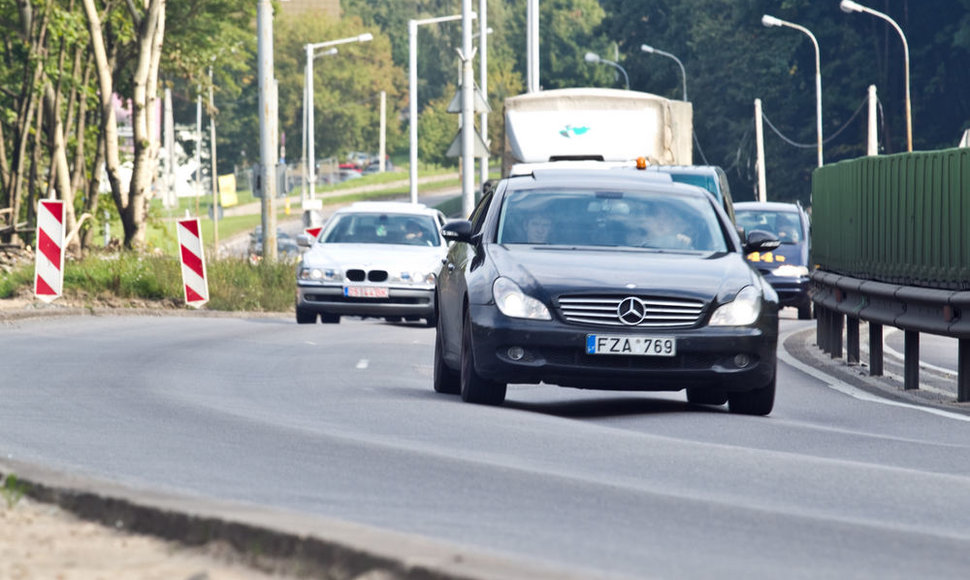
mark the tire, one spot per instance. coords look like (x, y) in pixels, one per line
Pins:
(475, 389)
(706, 397)
(304, 316)
(445, 379)
(327, 318)
(756, 402)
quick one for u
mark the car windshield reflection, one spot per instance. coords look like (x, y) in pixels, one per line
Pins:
(619, 219)
(372, 228)
(784, 224)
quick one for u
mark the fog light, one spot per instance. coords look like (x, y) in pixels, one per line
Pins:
(516, 352)
(741, 360)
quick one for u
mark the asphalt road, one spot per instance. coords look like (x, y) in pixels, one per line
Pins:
(341, 421)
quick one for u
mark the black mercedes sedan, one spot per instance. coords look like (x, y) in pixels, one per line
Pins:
(605, 279)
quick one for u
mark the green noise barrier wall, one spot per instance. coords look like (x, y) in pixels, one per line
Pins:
(901, 219)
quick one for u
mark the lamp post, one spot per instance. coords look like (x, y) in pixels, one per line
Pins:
(413, 95)
(849, 6)
(683, 73)
(771, 21)
(311, 169)
(308, 116)
(592, 57)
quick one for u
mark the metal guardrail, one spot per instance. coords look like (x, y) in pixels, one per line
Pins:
(842, 301)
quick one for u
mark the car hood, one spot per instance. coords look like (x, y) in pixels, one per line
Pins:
(375, 256)
(553, 271)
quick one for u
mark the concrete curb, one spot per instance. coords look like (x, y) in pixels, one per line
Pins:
(273, 541)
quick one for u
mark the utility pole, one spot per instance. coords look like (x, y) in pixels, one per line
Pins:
(267, 128)
(215, 172)
(759, 134)
(467, 111)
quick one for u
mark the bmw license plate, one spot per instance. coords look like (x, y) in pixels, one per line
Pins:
(365, 291)
(631, 345)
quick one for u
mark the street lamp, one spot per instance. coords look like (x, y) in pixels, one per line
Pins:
(683, 74)
(771, 21)
(413, 94)
(592, 57)
(307, 116)
(310, 167)
(849, 6)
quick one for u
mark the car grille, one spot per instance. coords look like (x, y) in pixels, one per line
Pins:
(657, 312)
(357, 275)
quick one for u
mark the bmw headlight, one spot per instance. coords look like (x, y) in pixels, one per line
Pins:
(318, 274)
(416, 277)
(515, 303)
(742, 311)
(790, 271)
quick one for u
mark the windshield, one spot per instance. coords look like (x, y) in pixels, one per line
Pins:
(634, 219)
(784, 224)
(381, 228)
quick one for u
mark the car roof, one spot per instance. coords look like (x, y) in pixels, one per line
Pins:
(686, 169)
(766, 206)
(400, 207)
(595, 177)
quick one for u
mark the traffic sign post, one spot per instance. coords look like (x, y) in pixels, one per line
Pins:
(49, 263)
(313, 232)
(194, 280)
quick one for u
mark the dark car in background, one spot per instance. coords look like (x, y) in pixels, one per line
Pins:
(286, 248)
(787, 267)
(610, 280)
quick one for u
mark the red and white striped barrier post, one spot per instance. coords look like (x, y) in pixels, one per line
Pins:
(49, 263)
(193, 263)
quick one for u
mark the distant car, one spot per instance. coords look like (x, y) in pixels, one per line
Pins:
(286, 248)
(372, 259)
(787, 267)
(710, 177)
(611, 280)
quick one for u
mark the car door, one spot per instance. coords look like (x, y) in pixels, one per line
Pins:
(452, 286)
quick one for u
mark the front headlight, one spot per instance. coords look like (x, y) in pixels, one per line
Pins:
(515, 303)
(790, 271)
(318, 274)
(742, 311)
(415, 277)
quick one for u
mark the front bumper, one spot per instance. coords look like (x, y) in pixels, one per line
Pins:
(401, 301)
(792, 291)
(555, 354)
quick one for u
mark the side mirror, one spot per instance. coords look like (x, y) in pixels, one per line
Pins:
(759, 241)
(457, 231)
(304, 240)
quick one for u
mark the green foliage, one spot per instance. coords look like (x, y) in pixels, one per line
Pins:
(13, 490)
(234, 284)
(11, 282)
(125, 275)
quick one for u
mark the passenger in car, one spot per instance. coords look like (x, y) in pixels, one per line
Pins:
(666, 229)
(537, 229)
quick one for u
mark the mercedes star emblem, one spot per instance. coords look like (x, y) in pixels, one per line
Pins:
(631, 311)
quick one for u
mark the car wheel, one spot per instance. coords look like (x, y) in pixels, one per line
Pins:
(756, 402)
(706, 397)
(475, 389)
(805, 311)
(304, 316)
(445, 379)
(327, 318)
